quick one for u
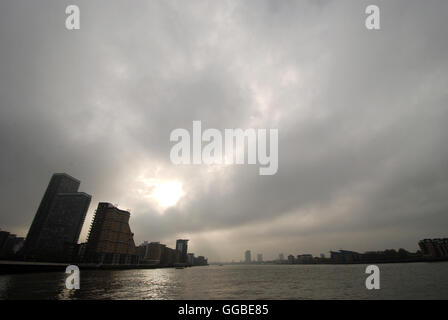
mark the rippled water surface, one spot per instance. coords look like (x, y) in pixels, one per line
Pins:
(398, 281)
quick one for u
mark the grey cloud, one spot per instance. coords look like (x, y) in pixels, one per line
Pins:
(361, 117)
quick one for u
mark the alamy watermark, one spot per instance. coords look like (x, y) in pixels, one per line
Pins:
(72, 21)
(73, 280)
(226, 148)
(373, 280)
(373, 18)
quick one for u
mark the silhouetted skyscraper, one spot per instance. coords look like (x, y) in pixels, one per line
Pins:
(182, 248)
(110, 238)
(58, 221)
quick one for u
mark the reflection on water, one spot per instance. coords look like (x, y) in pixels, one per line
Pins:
(398, 281)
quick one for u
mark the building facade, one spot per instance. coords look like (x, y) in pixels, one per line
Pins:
(110, 238)
(170, 257)
(151, 253)
(182, 248)
(57, 224)
(190, 259)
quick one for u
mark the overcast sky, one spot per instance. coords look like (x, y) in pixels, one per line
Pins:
(362, 118)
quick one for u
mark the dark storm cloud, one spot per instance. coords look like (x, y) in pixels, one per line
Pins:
(361, 118)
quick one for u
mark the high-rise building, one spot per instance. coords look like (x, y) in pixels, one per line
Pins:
(182, 248)
(259, 257)
(281, 257)
(57, 224)
(110, 238)
(247, 257)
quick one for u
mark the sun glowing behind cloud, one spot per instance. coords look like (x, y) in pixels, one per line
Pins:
(166, 193)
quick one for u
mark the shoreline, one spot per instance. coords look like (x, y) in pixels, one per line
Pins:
(17, 267)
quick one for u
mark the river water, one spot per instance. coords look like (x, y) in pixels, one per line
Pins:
(397, 281)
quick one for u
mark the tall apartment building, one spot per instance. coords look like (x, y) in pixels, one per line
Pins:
(57, 224)
(110, 238)
(247, 257)
(182, 248)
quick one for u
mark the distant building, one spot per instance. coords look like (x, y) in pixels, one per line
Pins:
(345, 256)
(200, 261)
(434, 248)
(151, 253)
(3, 236)
(291, 259)
(110, 238)
(305, 259)
(281, 257)
(155, 251)
(170, 257)
(57, 224)
(141, 253)
(182, 248)
(247, 257)
(10, 245)
(259, 258)
(190, 259)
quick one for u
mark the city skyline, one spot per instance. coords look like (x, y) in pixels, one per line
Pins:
(181, 244)
(361, 118)
(54, 233)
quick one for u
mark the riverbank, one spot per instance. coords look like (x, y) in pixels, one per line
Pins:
(13, 267)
